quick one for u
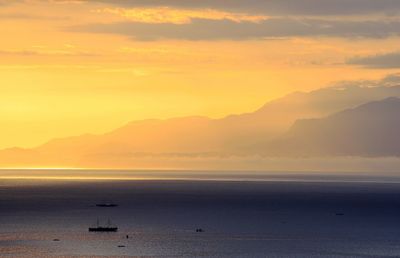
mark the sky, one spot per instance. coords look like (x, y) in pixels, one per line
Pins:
(69, 67)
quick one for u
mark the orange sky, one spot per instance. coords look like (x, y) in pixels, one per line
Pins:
(61, 75)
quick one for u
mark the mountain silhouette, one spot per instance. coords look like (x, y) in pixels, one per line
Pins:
(241, 134)
(370, 130)
(229, 134)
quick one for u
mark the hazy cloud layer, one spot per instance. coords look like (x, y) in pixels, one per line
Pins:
(8, 2)
(277, 7)
(389, 80)
(384, 61)
(203, 29)
(27, 16)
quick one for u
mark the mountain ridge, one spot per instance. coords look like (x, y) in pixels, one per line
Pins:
(198, 135)
(367, 130)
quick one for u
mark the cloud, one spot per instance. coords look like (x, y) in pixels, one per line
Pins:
(382, 61)
(43, 51)
(389, 80)
(206, 29)
(27, 16)
(276, 7)
(177, 16)
(7, 2)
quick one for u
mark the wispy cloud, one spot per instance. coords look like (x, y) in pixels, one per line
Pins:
(28, 16)
(8, 2)
(379, 61)
(178, 16)
(275, 7)
(206, 29)
(66, 50)
(387, 81)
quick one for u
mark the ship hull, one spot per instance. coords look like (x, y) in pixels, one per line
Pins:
(107, 205)
(102, 229)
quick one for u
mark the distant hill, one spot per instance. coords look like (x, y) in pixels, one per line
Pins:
(194, 136)
(370, 130)
(229, 134)
(276, 117)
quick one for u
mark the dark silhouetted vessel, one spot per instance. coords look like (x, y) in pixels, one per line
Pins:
(106, 205)
(107, 228)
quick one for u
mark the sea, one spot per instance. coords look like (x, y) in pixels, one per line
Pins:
(47, 213)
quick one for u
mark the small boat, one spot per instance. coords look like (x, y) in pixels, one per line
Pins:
(106, 205)
(107, 228)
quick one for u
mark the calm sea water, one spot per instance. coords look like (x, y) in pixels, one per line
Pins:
(251, 214)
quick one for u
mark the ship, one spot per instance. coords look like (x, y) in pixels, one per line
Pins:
(106, 205)
(99, 228)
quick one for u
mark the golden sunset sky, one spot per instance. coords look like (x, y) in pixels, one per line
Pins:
(69, 67)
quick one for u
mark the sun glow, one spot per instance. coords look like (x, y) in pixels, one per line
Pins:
(71, 68)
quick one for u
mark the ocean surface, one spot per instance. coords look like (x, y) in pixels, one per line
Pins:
(243, 214)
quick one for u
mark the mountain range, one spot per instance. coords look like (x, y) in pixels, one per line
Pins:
(334, 121)
(370, 130)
